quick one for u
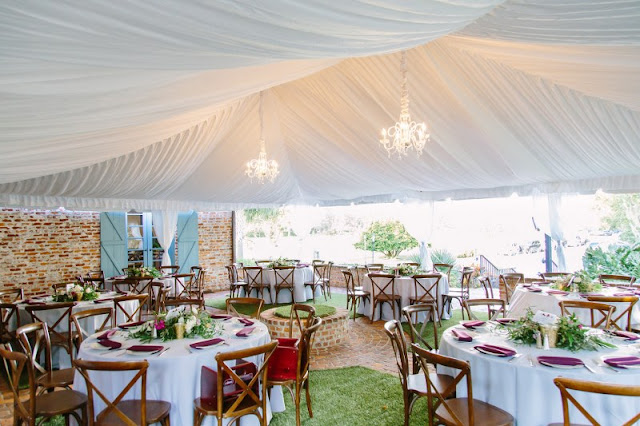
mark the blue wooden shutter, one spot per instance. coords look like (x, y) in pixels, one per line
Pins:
(187, 241)
(113, 243)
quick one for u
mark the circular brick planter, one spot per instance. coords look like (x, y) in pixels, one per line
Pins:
(332, 332)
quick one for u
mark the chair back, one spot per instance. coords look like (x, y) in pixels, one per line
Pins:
(306, 345)
(411, 313)
(198, 280)
(247, 400)
(253, 275)
(383, 284)
(600, 313)
(59, 320)
(9, 321)
(510, 280)
(374, 267)
(58, 286)
(302, 316)
(316, 261)
(465, 282)
(264, 263)
(284, 276)
(616, 280)
(13, 295)
(95, 278)
(494, 307)
(349, 282)
(437, 398)
(616, 322)
(252, 305)
(84, 367)
(129, 315)
(240, 271)
(398, 343)
(327, 273)
(319, 272)
(157, 294)
(174, 303)
(565, 384)
(16, 363)
(425, 287)
(92, 317)
(485, 282)
(443, 268)
(169, 269)
(552, 276)
(35, 341)
(183, 285)
(411, 264)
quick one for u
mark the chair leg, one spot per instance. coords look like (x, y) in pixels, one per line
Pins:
(308, 397)
(298, 392)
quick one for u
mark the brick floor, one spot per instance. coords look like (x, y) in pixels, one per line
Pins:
(367, 345)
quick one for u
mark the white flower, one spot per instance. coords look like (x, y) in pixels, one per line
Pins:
(181, 320)
(577, 280)
(191, 322)
(173, 313)
(88, 290)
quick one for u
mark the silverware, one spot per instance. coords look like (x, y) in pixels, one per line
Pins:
(162, 351)
(514, 357)
(589, 368)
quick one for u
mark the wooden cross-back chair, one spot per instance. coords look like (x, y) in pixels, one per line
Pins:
(198, 281)
(510, 281)
(284, 279)
(247, 400)
(413, 313)
(317, 261)
(157, 296)
(251, 304)
(318, 280)
(551, 276)
(427, 284)
(380, 286)
(182, 286)
(616, 280)
(36, 343)
(96, 278)
(9, 314)
(13, 295)
(485, 282)
(130, 412)
(443, 268)
(289, 366)
(442, 408)
(565, 384)
(120, 307)
(600, 313)
(58, 286)
(44, 406)
(264, 263)
(495, 307)
(59, 318)
(254, 276)
(235, 286)
(619, 315)
(374, 267)
(94, 316)
(169, 269)
(354, 294)
(301, 316)
(459, 294)
(413, 385)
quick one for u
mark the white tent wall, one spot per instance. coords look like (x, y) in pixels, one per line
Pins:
(114, 106)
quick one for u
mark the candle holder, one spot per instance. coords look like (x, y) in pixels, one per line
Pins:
(551, 331)
(179, 330)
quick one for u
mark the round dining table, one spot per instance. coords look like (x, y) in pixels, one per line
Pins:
(173, 375)
(539, 298)
(405, 289)
(524, 387)
(301, 275)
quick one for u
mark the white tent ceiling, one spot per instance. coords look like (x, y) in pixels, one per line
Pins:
(128, 104)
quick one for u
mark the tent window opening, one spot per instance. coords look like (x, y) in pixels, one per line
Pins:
(143, 248)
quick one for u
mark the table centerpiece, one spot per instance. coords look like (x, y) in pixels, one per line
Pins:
(75, 293)
(183, 320)
(579, 281)
(144, 271)
(562, 332)
(281, 261)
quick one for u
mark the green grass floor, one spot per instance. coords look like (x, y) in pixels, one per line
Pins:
(336, 300)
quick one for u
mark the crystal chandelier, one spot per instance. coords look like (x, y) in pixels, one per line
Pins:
(405, 134)
(261, 168)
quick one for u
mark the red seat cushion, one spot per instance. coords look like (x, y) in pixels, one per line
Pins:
(283, 362)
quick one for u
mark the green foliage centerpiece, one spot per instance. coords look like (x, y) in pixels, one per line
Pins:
(281, 261)
(406, 270)
(144, 271)
(195, 323)
(579, 281)
(564, 332)
(76, 292)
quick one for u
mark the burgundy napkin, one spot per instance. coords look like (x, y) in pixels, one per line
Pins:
(558, 292)
(461, 335)
(110, 344)
(245, 321)
(623, 361)
(496, 350)
(629, 335)
(526, 285)
(145, 348)
(131, 324)
(106, 334)
(559, 360)
(205, 343)
(472, 324)
(245, 332)
(220, 316)
(506, 320)
(623, 294)
(535, 289)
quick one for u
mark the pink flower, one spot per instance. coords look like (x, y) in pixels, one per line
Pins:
(159, 325)
(580, 326)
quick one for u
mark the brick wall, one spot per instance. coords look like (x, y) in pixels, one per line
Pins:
(41, 247)
(215, 242)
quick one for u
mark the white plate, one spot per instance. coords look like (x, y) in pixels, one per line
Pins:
(479, 349)
(564, 367)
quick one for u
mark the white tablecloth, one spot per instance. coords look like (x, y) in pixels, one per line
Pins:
(60, 357)
(406, 289)
(301, 275)
(175, 375)
(528, 392)
(523, 299)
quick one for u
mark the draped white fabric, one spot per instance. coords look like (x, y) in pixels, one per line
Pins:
(131, 105)
(556, 223)
(165, 223)
(418, 221)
